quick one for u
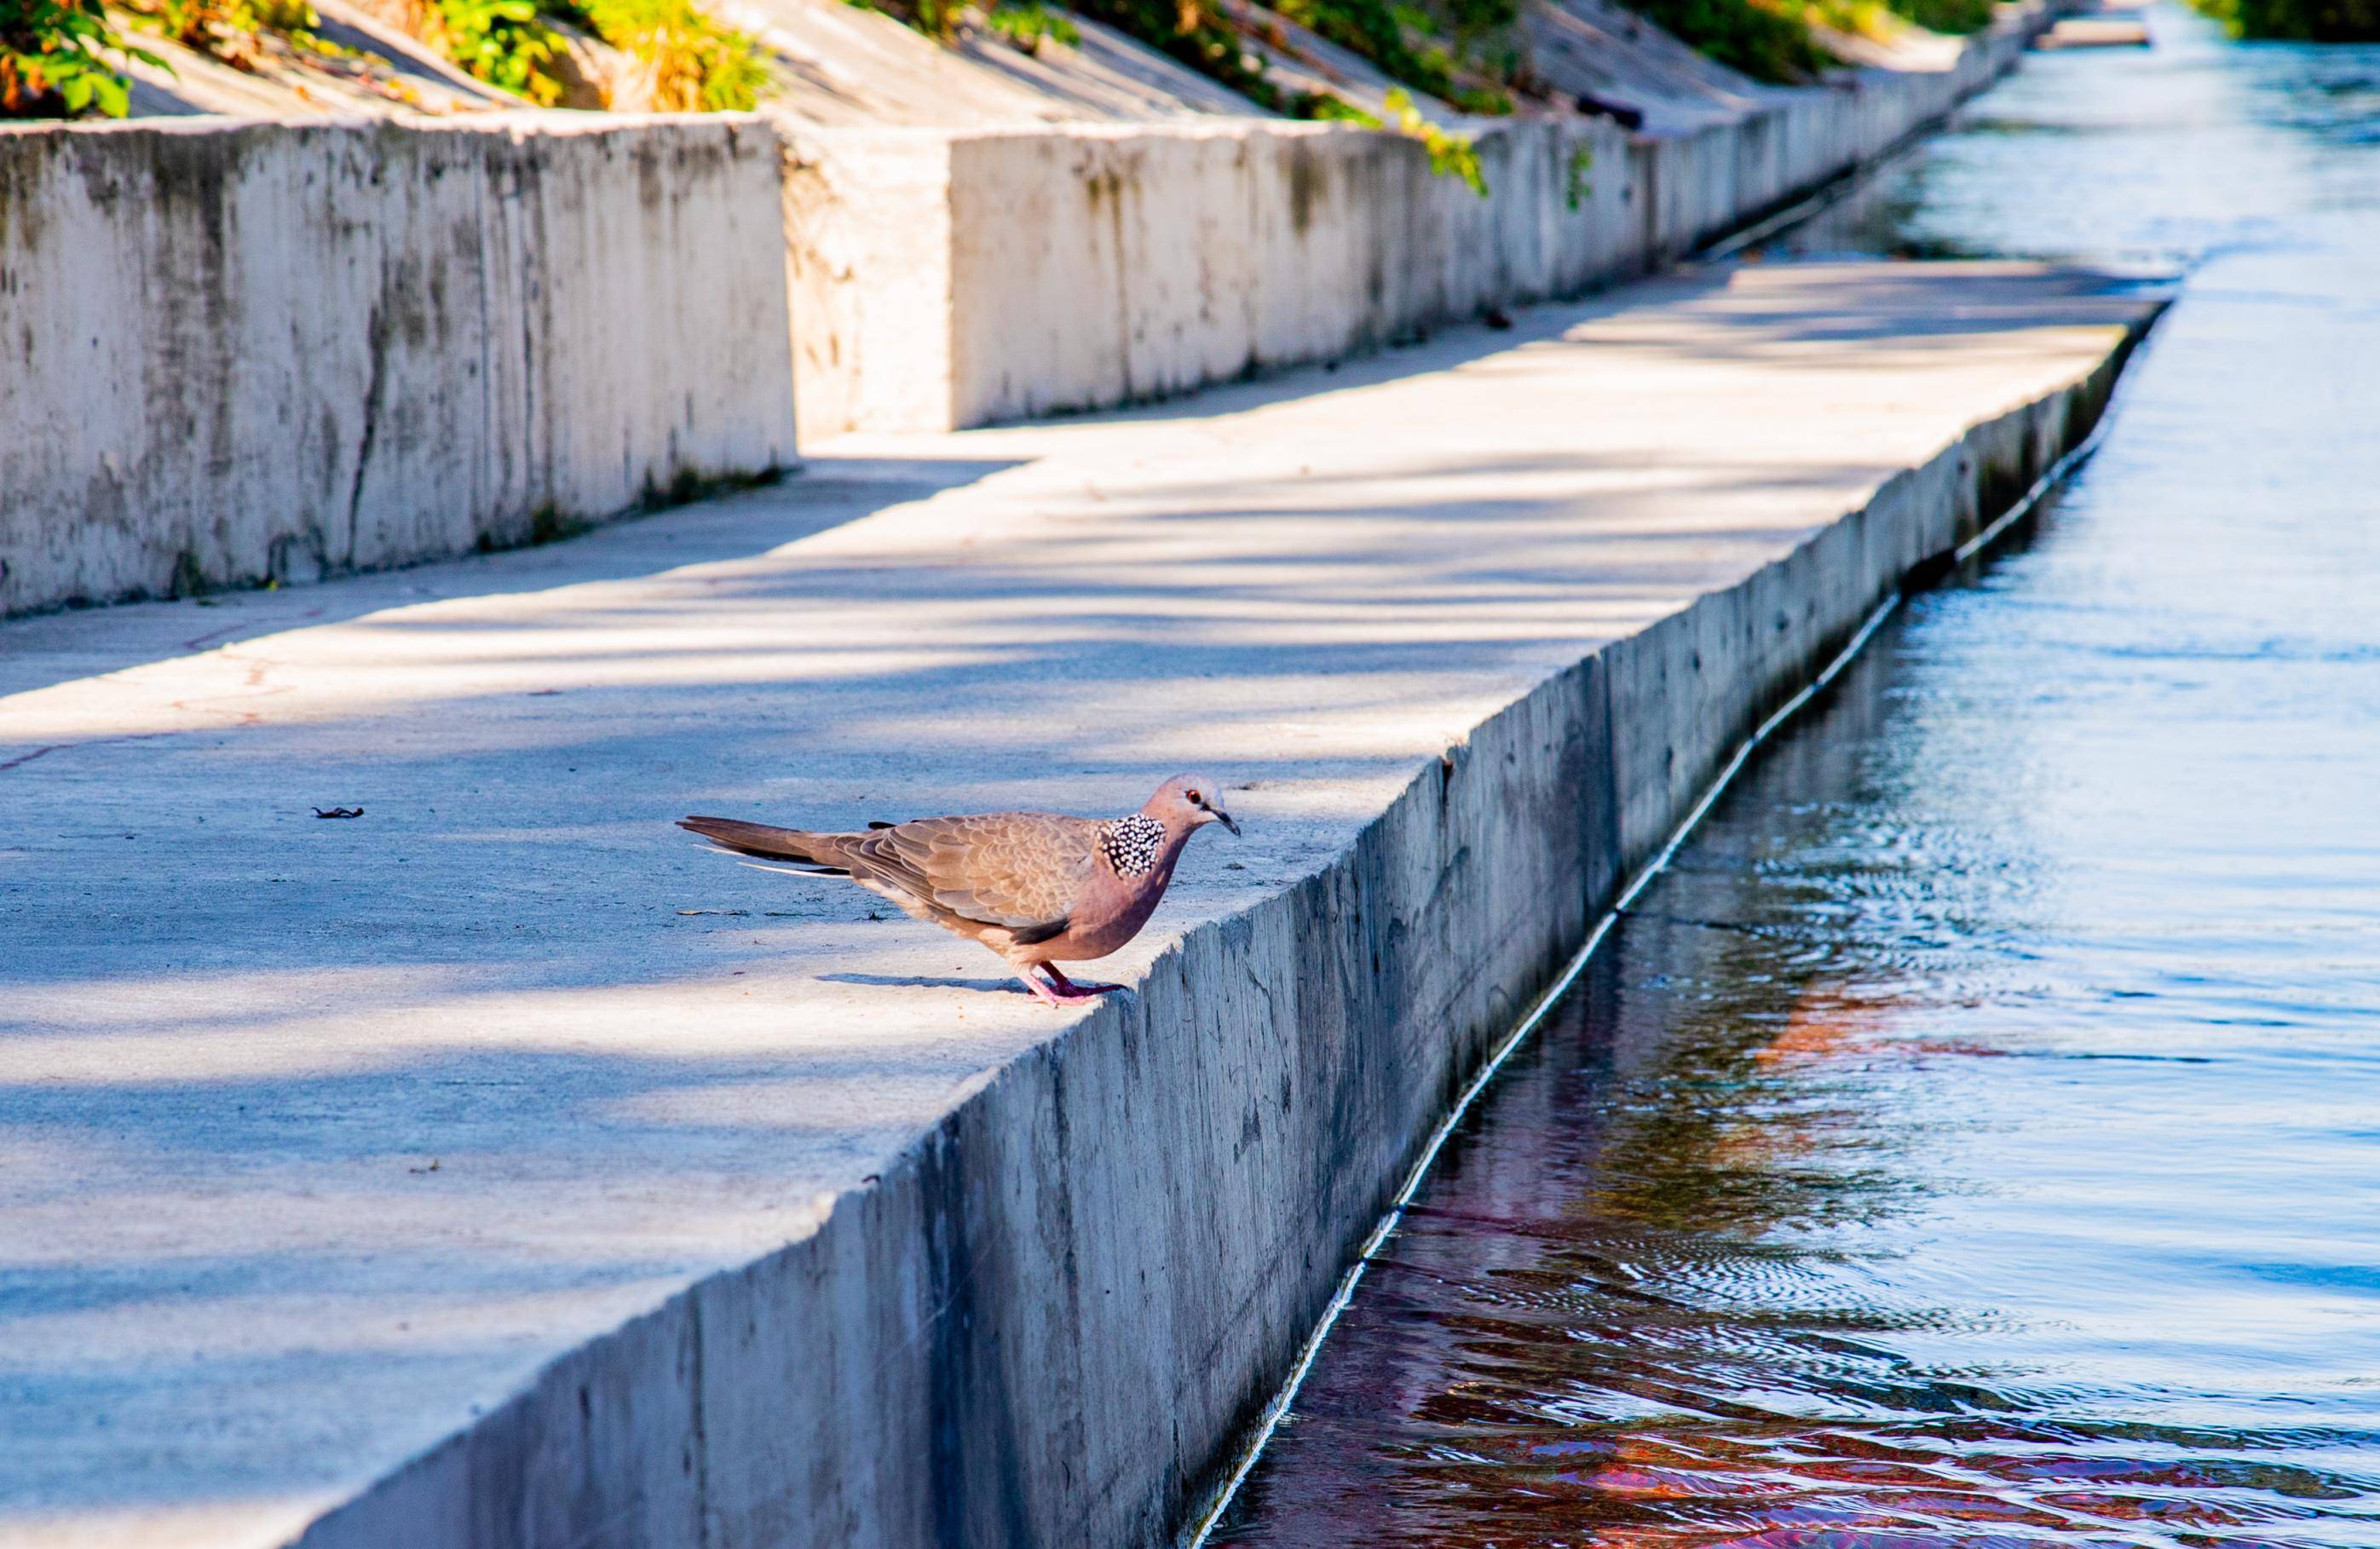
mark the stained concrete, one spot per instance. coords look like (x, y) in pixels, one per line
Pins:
(233, 353)
(498, 1168)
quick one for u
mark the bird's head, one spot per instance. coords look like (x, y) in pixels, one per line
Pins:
(1188, 802)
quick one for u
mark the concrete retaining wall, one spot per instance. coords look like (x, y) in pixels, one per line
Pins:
(235, 353)
(1048, 1320)
(952, 280)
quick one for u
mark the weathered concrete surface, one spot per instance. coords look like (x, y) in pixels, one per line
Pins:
(956, 278)
(444, 1147)
(238, 352)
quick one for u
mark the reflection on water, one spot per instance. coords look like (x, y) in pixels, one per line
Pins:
(1975, 1139)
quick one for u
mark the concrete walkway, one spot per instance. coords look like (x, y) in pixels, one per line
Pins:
(319, 1138)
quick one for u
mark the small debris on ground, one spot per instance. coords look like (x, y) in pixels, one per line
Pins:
(339, 812)
(1498, 317)
(432, 1167)
(735, 912)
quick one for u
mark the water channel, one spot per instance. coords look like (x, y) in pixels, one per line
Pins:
(1974, 1139)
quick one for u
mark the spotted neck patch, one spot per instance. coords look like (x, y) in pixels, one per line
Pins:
(1132, 845)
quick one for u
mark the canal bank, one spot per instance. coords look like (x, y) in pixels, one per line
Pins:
(494, 1168)
(1968, 1137)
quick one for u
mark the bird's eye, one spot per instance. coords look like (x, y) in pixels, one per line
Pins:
(1196, 799)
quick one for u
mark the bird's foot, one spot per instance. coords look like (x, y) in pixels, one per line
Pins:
(1049, 994)
(1059, 990)
(1085, 989)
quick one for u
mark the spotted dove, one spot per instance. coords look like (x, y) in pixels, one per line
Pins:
(1034, 887)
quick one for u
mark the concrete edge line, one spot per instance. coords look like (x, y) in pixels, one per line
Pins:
(1055, 1315)
(1205, 1521)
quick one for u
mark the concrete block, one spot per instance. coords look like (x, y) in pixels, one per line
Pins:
(233, 353)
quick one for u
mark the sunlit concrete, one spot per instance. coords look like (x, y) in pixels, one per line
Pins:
(498, 1168)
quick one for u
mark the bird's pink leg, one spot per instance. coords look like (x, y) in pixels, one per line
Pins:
(1058, 990)
(1041, 989)
(1083, 989)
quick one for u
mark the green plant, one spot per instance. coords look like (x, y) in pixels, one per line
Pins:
(2312, 22)
(54, 60)
(697, 63)
(188, 22)
(1190, 33)
(231, 30)
(1473, 22)
(1464, 52)
(1449, 153)
(1742, 35)
(505, 43)
(1377, 30)
(1026, 22)
(1958, 17)
(936, 19)
(1323, 108)
(1576, 189)
(282, 15)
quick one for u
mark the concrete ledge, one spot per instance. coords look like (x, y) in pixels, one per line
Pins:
(755, 1231)
(233, 353)
(956, 279)
(1046, 1320)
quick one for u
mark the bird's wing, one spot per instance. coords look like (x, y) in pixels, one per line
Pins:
(1023, 870)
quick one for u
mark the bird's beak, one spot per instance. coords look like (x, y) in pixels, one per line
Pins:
(1226, 820)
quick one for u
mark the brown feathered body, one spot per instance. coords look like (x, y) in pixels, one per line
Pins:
(1038, 888)
(1034, 887)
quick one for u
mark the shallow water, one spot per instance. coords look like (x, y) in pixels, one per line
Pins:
(1975, 1139)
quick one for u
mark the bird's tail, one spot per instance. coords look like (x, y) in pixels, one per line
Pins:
(820, 854)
